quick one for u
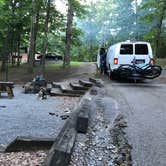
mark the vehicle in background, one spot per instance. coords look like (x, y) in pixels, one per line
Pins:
(51, 56)
(133, 60)
(127, 53)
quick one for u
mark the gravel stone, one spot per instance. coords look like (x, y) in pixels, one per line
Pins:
(26, 115)
(23, 158)
(98, 148)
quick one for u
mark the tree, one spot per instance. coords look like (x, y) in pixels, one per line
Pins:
(31, 54)
(45, 40)
(74, 8)
(70, 15)
(155, 19)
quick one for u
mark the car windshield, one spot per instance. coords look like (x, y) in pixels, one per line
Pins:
(141, 49)
(126, 49)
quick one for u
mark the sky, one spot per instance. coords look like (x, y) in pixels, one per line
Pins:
(62, 7)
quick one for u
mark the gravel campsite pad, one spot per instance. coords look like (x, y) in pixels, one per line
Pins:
(27, 115)
(23, 158)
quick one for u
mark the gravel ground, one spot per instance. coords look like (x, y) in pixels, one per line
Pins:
(26, 115)
(96, 147)
(23, 158)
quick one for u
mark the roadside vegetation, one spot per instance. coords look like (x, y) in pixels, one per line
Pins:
(161, 62)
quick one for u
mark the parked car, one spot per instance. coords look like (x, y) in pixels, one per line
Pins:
(51, 56)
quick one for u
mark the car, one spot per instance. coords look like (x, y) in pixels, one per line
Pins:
(51, 56)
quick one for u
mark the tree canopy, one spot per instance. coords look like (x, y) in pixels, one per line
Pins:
(77, 31)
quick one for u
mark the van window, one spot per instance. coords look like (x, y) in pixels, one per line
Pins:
(141, 49)
(126, 49)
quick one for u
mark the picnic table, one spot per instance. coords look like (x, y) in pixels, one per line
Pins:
(7, 87)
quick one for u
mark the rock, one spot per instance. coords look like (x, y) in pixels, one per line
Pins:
(100, 159)
(64, 117)
(120, 160)
(2, 106)
(93, 91)
(51, 113)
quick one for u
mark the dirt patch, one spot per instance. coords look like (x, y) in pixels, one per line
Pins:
(20, 75)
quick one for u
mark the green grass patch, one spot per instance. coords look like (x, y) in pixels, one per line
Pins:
(161, 62)
(60, 65)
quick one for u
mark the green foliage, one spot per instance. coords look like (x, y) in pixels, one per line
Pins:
(96, 24)
(155, 18)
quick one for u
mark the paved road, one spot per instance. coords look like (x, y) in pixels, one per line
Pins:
(144, 106)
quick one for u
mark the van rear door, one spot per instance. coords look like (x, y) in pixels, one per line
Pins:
(142, 54)
(134, 53)
(126, 54)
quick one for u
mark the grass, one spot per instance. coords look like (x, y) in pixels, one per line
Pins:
(161, 62)
(52, 65)
(20, 74)
(60, 65)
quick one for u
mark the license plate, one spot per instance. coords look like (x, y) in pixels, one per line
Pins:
(140, 61)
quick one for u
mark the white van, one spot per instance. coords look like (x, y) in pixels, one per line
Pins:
(129, 53)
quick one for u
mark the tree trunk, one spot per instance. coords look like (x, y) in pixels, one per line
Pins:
(36, 30)
(31, 53)
(159, 28)
(6, 52)
(18, 48)
(136, 20)
(70, 15)
(91, 52)
(3, 67)
(45, 41)
(11, 43)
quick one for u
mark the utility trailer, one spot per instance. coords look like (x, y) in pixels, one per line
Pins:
(131, 60)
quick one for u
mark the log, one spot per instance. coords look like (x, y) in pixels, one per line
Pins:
(65, 89)
(83, 117)
(78, 87)
(85, 83)
(61, 151)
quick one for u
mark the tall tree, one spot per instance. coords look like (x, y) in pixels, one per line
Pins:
(45, 40)
(155, 19)
(70, 15)
(162, 15)
(74, 8)
(31, 54)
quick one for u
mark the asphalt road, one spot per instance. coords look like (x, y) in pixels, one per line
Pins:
(144, 107)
